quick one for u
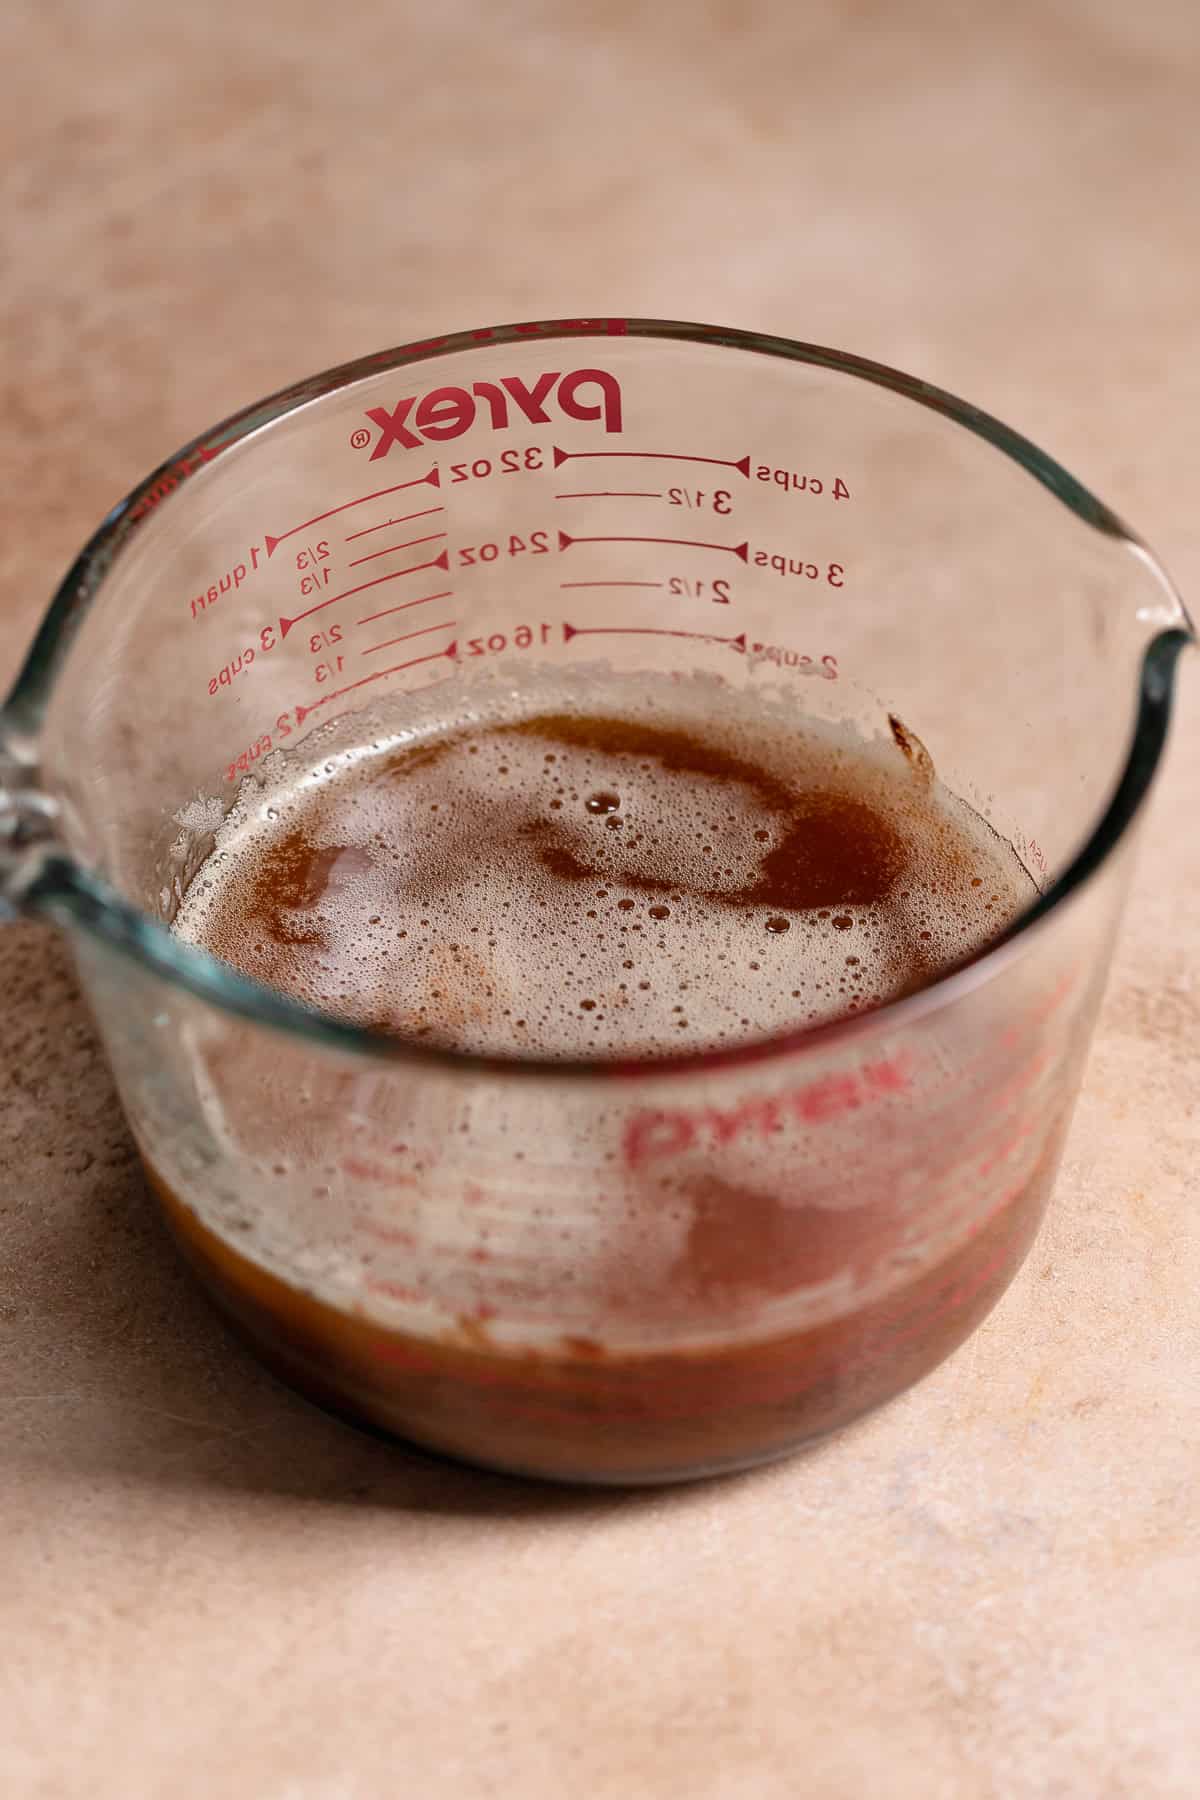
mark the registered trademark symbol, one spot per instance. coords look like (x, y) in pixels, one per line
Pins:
(359, 439)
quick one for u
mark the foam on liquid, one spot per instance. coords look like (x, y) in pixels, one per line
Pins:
(601, 867)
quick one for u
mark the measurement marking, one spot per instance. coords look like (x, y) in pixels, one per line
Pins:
(615, 494)
(410, 544)
(742, 463)
(446, 594)
(605, 584)
(705, 637)
(446, 625)
(449, 652)
(739, 550)
(439, 562)
(402, 520)
(433, 478)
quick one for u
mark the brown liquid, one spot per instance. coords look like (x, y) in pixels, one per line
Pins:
(582, 1413)
(598, 886)
(583, 885)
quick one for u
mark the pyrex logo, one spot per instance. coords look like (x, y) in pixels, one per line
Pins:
(447, 412)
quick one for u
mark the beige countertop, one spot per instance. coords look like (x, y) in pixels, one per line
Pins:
(990, 1589)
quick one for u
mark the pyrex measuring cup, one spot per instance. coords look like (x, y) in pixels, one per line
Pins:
(586, 1271)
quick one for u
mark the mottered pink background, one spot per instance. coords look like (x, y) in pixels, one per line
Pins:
(987, 1590)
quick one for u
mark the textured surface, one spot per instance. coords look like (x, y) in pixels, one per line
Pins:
(988, 1590)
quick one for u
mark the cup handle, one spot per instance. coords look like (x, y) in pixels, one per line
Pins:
(29, 823)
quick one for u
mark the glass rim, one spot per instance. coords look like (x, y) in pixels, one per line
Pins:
(74, 897)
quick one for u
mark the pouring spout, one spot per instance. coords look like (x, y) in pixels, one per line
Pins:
(1163, 611)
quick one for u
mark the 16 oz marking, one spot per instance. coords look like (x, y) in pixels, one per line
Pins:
(522, 637)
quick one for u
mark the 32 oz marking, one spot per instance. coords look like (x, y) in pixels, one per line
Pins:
(509, 462)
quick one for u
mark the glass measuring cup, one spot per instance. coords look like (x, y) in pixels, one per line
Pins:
(593, 1272)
